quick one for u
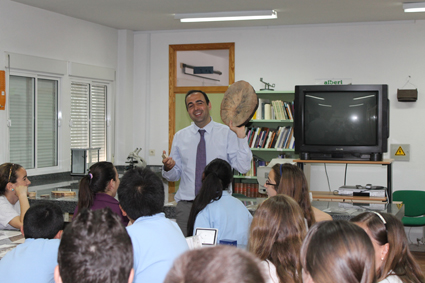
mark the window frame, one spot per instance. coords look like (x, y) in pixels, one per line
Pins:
(36, 76)
(109, 129)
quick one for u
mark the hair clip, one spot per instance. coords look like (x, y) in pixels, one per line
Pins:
(91, 176)
(380, 217)
(281, 169)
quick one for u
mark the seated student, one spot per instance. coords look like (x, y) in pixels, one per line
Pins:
(290, 180)
(276, 235)
(393, 261)
(337, 251)
(95, 247)
(157, 241)
(98, 189)
(35, 259)
(214, 207)
(13, 195)
(224, 264)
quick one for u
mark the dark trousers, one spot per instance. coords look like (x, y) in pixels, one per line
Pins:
(182, 215)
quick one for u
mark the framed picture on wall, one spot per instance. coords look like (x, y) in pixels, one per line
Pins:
(202, 67)
(207, 66)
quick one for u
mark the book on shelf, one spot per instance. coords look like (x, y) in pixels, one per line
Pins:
(267, 111)
(261, 111)
(286, 137)
(263, 137)
(274, 110)
(272, 138)
(288, 111)
(283, 137)
(279, 136)
(275, 138)
(249, 190)
(253, 137)
(269, 135)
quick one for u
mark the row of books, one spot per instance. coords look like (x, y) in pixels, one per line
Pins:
(252, 171)
(274, 110)
(263, 137)
(248, 189)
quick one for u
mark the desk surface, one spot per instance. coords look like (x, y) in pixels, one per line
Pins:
(347, 210)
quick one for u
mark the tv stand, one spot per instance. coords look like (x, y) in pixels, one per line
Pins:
(385, 162)
(374, 156)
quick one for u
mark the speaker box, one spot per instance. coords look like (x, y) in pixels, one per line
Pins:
(407, 95)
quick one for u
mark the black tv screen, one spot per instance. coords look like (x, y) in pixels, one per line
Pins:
(341, 118)
(347, 122)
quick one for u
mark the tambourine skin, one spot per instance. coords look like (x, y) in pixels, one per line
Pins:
(239, 104)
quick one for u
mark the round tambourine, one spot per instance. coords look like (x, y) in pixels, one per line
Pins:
(239, 104)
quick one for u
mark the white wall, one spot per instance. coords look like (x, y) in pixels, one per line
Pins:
(31, 31)
(124, 99)
(368, 53)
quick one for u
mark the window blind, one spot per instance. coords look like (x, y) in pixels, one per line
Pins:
(34, 123)
(98, 120)
(79, 115)
(88, 118)
(21, 131)
(47, 123)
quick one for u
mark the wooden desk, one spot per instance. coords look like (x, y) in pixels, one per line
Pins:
(385, 162)
(329, 196)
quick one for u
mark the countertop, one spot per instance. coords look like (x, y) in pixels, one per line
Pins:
(44, 185)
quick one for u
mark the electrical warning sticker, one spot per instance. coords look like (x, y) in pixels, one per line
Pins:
(400, 152)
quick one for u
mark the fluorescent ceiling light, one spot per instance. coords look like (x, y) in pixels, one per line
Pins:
(226, 16)
(414, 7)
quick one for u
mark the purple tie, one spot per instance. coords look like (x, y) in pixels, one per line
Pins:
(201, 162)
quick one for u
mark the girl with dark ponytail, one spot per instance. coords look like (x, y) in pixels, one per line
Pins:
(98, 189)
(214, 207)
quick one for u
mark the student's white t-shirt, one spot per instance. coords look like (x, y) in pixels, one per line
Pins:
(8, 211)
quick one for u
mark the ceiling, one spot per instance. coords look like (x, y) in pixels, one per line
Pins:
(152, 15)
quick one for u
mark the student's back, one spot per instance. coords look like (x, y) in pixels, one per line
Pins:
(229, 215)
(35, 260)
(157, 241)
(214, 207)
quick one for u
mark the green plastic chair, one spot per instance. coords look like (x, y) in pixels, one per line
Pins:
(414, 207)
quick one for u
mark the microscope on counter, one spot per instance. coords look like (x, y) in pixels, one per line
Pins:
(134, 160)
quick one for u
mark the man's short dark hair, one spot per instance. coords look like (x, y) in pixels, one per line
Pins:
(95, 247)
(193, 91)
(141, 193)
(43, 221)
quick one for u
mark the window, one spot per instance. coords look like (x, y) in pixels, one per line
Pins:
(33, 118)
(88, 117)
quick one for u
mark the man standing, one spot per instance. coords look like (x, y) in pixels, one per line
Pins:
(198, 144)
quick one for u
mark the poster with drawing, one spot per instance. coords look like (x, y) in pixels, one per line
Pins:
(202, 68)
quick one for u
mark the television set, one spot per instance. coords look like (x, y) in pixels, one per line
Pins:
(341, 122)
